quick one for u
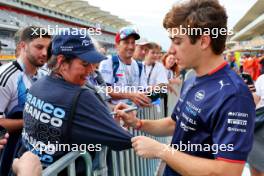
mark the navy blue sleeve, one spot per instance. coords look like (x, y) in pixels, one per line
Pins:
(234, 128)
(93, 124)
(174, 113)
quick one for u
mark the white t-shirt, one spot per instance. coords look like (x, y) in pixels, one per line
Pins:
(156, 74)
(14, 84)
(128, 75)
(260, 89)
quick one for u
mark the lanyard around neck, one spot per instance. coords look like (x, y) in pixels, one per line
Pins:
(150, 72)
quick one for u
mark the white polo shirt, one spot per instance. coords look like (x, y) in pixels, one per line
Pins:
(156, 74)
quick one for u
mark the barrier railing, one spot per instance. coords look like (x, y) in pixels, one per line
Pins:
(127, 162)
(123, 163)
(68, 161)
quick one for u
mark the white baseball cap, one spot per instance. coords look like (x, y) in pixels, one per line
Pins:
(142, 41)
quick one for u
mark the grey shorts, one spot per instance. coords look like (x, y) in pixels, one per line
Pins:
(256, 156)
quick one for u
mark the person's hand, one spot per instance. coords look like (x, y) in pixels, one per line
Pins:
(147, 147)
(252, 88)
(28, 164)
(140, 99)
(176, 80)
(171, 89)
(3, 141)
(129, 118)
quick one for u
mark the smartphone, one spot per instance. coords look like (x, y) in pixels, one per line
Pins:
(3, 131)
(126, 110)
(247, 78)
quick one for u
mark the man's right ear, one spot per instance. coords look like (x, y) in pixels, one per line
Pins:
(60, 59)
(22, 44)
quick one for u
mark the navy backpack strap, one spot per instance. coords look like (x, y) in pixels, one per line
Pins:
(115, 61)
(75, 99)
(140, 67)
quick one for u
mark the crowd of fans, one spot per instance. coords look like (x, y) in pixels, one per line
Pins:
(43, 97)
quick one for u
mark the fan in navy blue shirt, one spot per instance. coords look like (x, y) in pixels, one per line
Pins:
(212, 123)
(49, 116)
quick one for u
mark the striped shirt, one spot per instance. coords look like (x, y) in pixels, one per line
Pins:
(14, 84)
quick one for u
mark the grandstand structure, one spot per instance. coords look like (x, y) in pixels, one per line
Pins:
(249, 30)
(16, 14)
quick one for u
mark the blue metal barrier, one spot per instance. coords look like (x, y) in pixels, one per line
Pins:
(68, 161)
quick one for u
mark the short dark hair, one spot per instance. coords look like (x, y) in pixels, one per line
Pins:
(30, 33)
(199, 14)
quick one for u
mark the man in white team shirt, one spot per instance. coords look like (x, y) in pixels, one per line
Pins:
(15, 79)
(121, 72)
(154, 70)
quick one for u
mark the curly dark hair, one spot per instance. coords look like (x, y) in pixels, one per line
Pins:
(202, 14)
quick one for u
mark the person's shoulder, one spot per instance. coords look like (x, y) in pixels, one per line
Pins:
(159, 64)
(44, 81)
(49, 81)
(88, 96)
(260, 78)
(9, 72)
(9, 67)
(237, 84)
(5, 66)
(134, 63)
(109, 59)
(107, 63)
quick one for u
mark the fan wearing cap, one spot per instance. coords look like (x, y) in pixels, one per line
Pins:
(122, 72)
(69, 113)
(141, 49)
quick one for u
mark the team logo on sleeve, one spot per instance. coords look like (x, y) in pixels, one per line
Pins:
(199, 95)
(237, 114)
(222, 84)
(237, 122)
